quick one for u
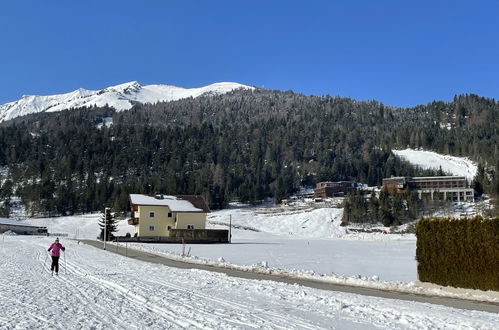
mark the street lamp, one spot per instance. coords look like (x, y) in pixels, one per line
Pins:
(105, 226)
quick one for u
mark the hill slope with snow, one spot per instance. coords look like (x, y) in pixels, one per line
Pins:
(121, 97)
(459, 166)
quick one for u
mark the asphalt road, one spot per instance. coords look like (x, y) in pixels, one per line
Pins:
(450, 302)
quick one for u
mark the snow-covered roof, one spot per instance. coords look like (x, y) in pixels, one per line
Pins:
(12, 222)
(174, 203)
(447, 177)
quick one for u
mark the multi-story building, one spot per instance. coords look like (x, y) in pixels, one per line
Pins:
(157, 216)
(334, 189)
(453, 188)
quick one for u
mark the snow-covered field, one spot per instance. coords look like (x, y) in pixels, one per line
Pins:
(385, 261)
(101, 290)
(311, 242)
(459, 166)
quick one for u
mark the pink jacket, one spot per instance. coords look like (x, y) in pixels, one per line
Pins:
(56, 249)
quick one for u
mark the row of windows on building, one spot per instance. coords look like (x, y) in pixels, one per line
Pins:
(153, 227)
(152, 215)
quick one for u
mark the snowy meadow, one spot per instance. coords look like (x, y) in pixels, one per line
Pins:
(100, 290)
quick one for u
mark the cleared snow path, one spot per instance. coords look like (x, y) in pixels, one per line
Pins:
(450, 302)
(102, 290)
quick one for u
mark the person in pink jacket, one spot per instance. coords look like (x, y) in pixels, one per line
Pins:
(56, 248)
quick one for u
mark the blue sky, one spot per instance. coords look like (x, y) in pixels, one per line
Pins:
(398, 52)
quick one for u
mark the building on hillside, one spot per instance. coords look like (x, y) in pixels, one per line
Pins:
(21, 228)
(159, 215)
(334, 189)
(453, 188)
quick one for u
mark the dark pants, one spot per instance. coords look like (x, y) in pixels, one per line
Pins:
(55, 264)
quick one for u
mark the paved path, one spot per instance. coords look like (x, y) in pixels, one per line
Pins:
(450, 302)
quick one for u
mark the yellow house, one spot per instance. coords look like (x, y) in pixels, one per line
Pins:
(156, 216)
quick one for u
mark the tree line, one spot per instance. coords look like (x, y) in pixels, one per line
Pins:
(244, 145)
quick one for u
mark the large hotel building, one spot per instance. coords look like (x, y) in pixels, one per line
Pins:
(453, 188)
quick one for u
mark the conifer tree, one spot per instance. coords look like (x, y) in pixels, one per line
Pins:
(107, 222)
(5, 208)
(385, 209)
(480, 180)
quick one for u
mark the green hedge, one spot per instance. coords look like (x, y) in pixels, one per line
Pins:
(459, 252)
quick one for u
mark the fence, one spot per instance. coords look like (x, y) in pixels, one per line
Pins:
(191, 236)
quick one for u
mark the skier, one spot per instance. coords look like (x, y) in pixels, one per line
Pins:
(56, 248)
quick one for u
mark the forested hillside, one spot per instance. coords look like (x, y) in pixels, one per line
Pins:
(245, 145)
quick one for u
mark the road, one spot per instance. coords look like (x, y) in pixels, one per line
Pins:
(449, 302)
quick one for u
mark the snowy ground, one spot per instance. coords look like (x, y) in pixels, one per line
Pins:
(312, 245)
(459, 166)
(312, 242)
(100, 290)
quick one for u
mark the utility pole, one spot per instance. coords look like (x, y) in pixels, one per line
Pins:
(105, 225)
(230, 228)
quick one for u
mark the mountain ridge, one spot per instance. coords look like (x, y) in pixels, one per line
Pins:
(247, 145)
(121, 97)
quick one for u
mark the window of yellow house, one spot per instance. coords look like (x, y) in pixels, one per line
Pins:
(190, 226)
(151, 214)
(169, 228)
(151, 227)
(169, 214)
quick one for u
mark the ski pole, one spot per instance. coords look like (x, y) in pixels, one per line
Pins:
(45, 262)
(65, 265)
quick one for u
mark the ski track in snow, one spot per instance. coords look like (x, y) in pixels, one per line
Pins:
(100, 290)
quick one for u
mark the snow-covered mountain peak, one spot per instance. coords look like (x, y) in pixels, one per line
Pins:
(121, 97)
(124, 88)
(131, 84)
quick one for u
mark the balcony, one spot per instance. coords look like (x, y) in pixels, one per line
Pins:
(133, 221)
